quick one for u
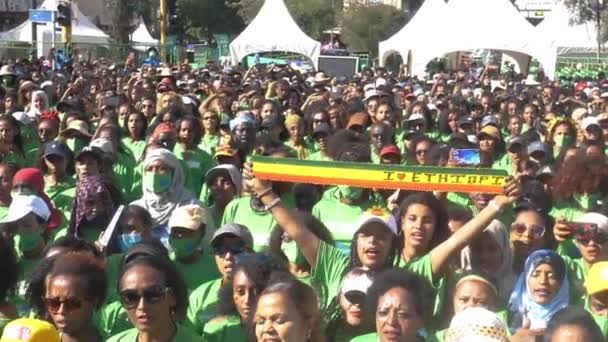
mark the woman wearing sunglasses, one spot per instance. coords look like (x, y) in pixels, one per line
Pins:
(67, 289)
(590, 235)
(528, 234)
(227, 244)
(155, 298)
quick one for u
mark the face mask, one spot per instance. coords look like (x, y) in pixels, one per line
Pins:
(126, 241)
(156, 182)
(75, 144)
(183, 247)
(601, 322)
(350, 192)
(588, 201)
(562, 141)
(26, 242)
(293, 254)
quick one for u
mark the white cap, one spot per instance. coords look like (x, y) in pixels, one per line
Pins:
(25, 204)
(45, 84)
(102, 144)
(357, 279)
(22, 117)
(187, 100)
(600, 220)
(418, 92)
(476, 325)
(189, 216)
(590, 121)
(380, 215)
(416, 117)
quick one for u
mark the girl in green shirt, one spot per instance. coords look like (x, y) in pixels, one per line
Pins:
(155, 298)
(211, 132)
(57, 164)
(11, 146)
(134, 129)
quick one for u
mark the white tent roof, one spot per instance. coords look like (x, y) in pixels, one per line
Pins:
(83, 29)
(564, 38)
(415, 35)
(142, 37)
(273, 29)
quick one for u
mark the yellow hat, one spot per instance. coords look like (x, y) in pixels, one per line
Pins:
(597, 278)
(293, 119)
(490, 131)
(29, 330)
(189, 216)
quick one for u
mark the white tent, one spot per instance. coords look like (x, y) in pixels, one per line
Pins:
(83, 29)
(141, 37)
(564, 38)
(417, 34)
(273, 29)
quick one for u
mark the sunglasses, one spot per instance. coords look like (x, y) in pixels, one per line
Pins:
(222, 250)
(586, 237)
(355, 297)
(53, 304)
(152, 295)
(535, 231)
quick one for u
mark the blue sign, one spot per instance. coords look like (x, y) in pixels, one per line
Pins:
(42, 16)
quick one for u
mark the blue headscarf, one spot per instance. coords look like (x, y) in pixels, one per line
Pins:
(521, 304)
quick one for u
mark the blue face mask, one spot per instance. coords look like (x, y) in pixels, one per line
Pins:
(126, 241)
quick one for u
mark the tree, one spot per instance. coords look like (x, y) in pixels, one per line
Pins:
(203, 18)
(363, 27)
(591, 10)
(122, 13)
(313, 16)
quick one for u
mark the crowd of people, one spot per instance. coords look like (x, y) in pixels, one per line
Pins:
(130, 209)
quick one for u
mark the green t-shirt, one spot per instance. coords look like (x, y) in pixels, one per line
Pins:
(318, 156)
(62, 195)
(135, 147)
(3, 322)
(504, 163)
(209, 143)
(328, 272)
(260, 224)
(341, 219)
(124, 176)
(113, 266)
(569, 210)
(224, 329)
(371, 337)
(112, 319)
(201, 271)
(202, 306)
(3, 212)
(16, 159)
(183, 334)
(576, 276)
(25, 267)
(195, 164)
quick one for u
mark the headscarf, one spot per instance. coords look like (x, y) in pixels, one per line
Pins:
(33, 112)
(521, 304)
(33, 177)
(160, 206)
(90, 188)
(504, 274)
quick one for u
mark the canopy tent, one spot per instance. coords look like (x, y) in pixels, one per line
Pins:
(83, 29)
(273, 29)
(563, 38)
(141, 37)
(414, 37)
(469, 25)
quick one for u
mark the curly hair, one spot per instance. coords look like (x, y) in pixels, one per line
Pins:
(427, 199)
(84, 266)
(197, 128)
(141, 135)
(575, 176)
(346, 145)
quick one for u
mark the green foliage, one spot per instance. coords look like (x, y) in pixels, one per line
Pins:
(202, 18)
(363, 27)
(313, 16)
(584, 11)
(122, 12)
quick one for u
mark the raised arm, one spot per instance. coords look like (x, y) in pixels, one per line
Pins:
(463, 236)
(307, 242)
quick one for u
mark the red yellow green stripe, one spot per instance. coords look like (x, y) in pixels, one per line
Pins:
(380, 176)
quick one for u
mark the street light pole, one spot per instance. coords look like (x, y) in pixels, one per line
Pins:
(163, 29)
(598, 6)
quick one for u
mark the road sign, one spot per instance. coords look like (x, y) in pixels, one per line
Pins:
(42, 16)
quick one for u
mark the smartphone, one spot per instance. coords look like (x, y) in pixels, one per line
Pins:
(466, 156)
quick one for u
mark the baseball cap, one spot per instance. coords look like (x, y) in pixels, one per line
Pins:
(230, 170)
(517, 141)
(242, 119)
(600, 220)
(77, 126)
(23, 205)
(466, 120)
(489, 120)
(378, 215)
(490, 131)
(322, 128)
(356, 281)
(56, 148)
(22, 117)
(390, 149)
(597, 278)
(103, 145)
(538, 146)
(30, 330)
(224, 151)
(235, 229)
(415, 117)
(93, 151)
(590, 121)
(189, 216)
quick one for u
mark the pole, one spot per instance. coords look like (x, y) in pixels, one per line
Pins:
(599, 34)
(163, 29)
(53, 41)
(34, 30)
(66, 31)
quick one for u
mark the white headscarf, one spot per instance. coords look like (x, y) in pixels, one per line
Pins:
(160, 206)
(504, 275)
(33, 112)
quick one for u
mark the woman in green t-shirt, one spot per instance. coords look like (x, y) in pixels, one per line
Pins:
(68, 289)
(57, 164)
(238, 296)
(134, 129)
(211, 132)
(11, 145)
(155, 298)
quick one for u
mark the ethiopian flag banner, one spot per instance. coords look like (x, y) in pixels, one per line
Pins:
(380, 176)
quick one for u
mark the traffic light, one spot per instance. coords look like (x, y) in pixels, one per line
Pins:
(64, 14)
